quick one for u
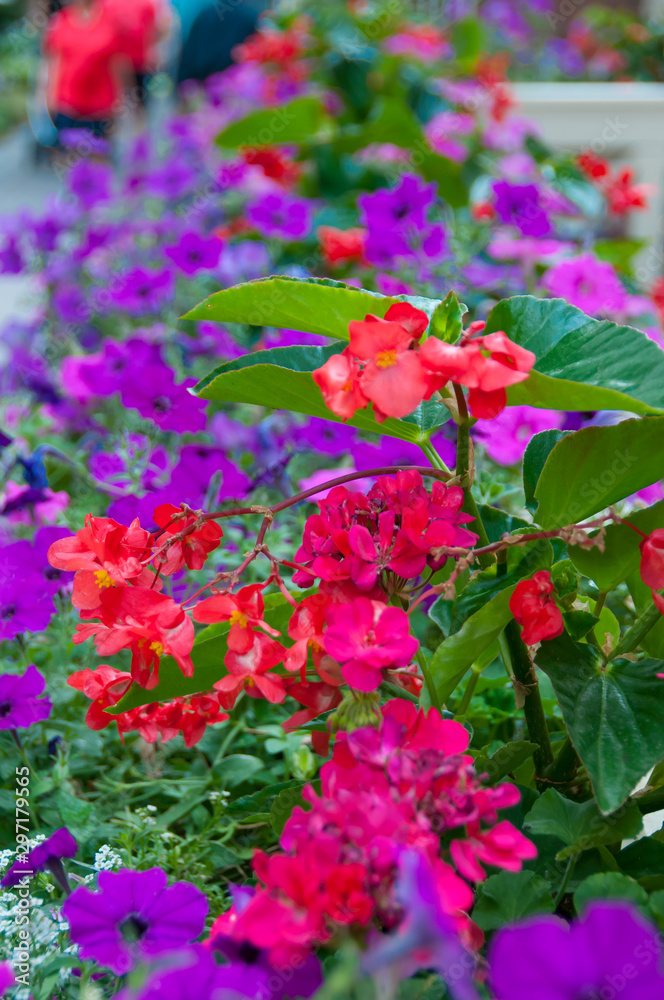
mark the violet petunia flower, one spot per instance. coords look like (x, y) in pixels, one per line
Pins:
(133, 917)
(20, 704)
(427, 937)
(25, 605)
(90, 183)
(281, 215)
(47, 855)
(194, 973)
(590, 284)
(70, 304)
(611, 950)
(520, 205)
(157, 397)
(405, 204)
(301, 980)
(194, 253)
(11, 261)
(140, 291)
(506, 438)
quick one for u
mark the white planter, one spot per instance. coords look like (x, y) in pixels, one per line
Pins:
(621, 121)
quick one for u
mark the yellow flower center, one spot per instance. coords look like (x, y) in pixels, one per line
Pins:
(237, 618)
(104, 579)
(157, 647)
(250, 682)
(385, 359)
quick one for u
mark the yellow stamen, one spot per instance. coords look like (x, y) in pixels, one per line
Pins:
(385, 359)
(157, 647)
(237, 618)
(104, 579)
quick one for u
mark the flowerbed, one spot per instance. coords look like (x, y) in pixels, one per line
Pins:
(334, 669)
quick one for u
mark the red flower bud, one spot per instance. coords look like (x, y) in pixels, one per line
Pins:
(652, 559)
(535, 609)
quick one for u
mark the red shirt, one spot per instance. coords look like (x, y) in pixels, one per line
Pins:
(87, 52)
(138, 19)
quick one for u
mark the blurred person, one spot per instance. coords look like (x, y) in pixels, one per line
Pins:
(215, 32)
(88, 63)
(145, 25)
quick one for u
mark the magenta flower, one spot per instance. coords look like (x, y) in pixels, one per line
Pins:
(133, 916)
(366, 636)
(20, 706)
(6, 977)
(611, 951)
(140, 291)
(194, 973)
(194, 253)
(281, 215)
(90, 183)
(506, 437)
(48, 854)
(520, 205)
(405, 204)
(157, 397)
(588, 283)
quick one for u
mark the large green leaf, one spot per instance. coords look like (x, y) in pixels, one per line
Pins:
(281, 378)
(297, 121)
(614, 714)
(621, 555)
(210, 648)
(582, 363)
(539, 448)
(510, 896)
(447, 319)
(597, 466)
(459, 651)
(580, 825)
(312, 305)
(392, 121)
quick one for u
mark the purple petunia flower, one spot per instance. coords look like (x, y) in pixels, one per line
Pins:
(198, 464)
(588, 283)
(405, 204)
(612, 950)
(25, 605)
(194, 253)
(302, 980)
(48, 854)
(243, 261)
(11, 261)
(90, 183)
(156, 396)
(520, 205)
(172, 181)
(140, 291)
(133, 916)
(281, 215)
(53, 579)
(6, 977)
(20, 706)
(70, 304)
(506, 438)
(194, 973)
(427, 937)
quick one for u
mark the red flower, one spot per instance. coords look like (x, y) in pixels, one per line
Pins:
(339, 381)
(306, 627)
(593, 166)
(150, 624)
(250, 671)
(393, 377)
(503, 846)
(652, 559)
(272, 162)
(192, 550)
(243, 610)
(105, 686)
(623, 194)
(534, 608)
(367, 636)
(340, 246)
(104, 554)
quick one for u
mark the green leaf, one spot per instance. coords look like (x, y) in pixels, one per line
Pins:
(614, 714)
(446, 174)
(644, 859)
(281, 378)
(180, 809)
(618, 252)
(597, 466)
(236, 768)
(76, 814)
(210, 648)
(510, 896)
(311, 305)
(621, 555)
(261, 801)
(609, 885)
(582, 363)
(580, 825)
(222, 857)
(447, 319)
(579, 623)
(391, 121)
(297, 121)
(283, 806)
(653, 641)
(608, 625)
(459, 651)
(539, 448)
(656, 907)
(468, 38)
(505, 760)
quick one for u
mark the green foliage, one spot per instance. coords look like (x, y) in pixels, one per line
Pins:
(511, 896)
(298, 121)
(580, 825)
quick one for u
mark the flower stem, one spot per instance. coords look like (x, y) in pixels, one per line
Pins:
(565, 882)
(636, 633)
(428, 679)
(565, 765)
(468, 693)
(526, 678)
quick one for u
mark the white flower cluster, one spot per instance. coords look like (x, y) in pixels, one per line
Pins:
(107, 860)
(46, 926)
(222, 797)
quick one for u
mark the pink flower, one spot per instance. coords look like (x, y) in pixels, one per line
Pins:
(588, 283)
(366, 636)
(506, 437)
(502, 846)
(338, 380)
(250, 670)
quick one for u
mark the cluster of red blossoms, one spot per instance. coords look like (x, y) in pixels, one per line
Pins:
(385, 364)
(534, 608)
(385, 792)
(652, 565)
(619, 189)
(190, 716)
